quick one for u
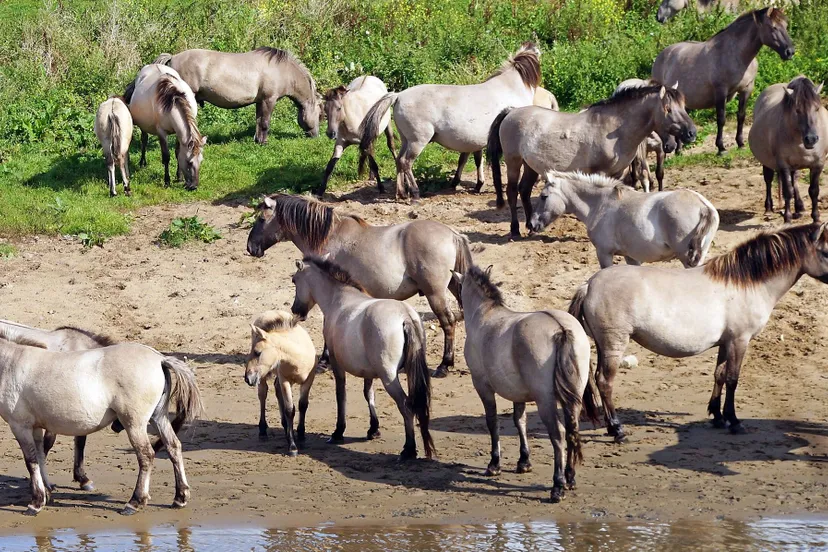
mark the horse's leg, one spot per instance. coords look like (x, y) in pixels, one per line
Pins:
(609, 357)
(767, 174)
(368, 392)
(78, 472)
(48, 441)
(481, 178)
(395, 391)
(138, 438)
(125, 174)
(573, 443)
(787, 191)
(440, 307)
(414, 151)
(143, 161)
(283, 387)
(512, 177)
(461, 164)
(549, 414)
(324, 360)
(631, 261)
(813, 191)
(373, 169)
(165, 158)
(264, 123)
(487, 397)
(527, 182)
(740, 115)
(714, 407)
(173, 446)
(262, 391)
(339, 378)
(519, 417)
(389, 139)
(605, 258)
(339, 147)
(179, 170)
(110, 175)
(799, 206)
(734, 365)
(304, 399)
(257, 136)
(37, 433)
(721, 102)
(400, 192)
(40, 493)
(660, 155)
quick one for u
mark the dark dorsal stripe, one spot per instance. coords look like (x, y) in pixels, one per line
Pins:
(334, 271)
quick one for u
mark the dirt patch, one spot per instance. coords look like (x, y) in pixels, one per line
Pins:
(197, 302)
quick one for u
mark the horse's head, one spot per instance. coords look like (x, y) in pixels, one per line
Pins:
(816, 265)
(308, 114)
(261, 357)
(549, 206)
(671, 118)
(266, 230)
(802, 99)
(189, 160)
(334, 111)
(669, 8)
(773, 31)
(303, 301)
(669, 145)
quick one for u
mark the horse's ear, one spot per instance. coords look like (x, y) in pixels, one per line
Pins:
(675, 86)
(662, 92)
(325, 256)
(770, 12)
(488, 271)
(258, 331)
(819, 88)
(203, 140)
(789, 91)
(815, 237)
(269, 202)
(457, 277)
(300, 265)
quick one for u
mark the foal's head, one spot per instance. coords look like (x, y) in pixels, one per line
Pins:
(287, 217)
(669, 8)
(816, 265)
(263, 352)
(672, 118)
(334, 110)
(773, 31)
(803, 103)
(476, 286)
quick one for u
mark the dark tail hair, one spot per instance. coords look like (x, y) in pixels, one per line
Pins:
(163, 59)
(462, 261)
(576, 306)
(419, 380)
(592, 407)
(184, 393)
(566, 393)
(494, 151)
(130, 90)
(114, 137)
(707, 221)
(369, 128)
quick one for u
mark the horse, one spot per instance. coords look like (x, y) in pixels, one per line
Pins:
(113, 127)
(161, 103)
(644, 228)
(681, 313)
(262, 76)
(603, 138)
(391, 262)
(540, 357)
(281, 350)
(345, 109)
(456, 117)
(369, 338)
(63, 339)
(668, 8)
(789, 133)
(79, 393)
(711, 73)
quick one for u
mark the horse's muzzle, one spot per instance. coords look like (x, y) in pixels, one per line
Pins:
(255, 250)
(788, 53)
(810, 141)
(251, 379)
(689, 135)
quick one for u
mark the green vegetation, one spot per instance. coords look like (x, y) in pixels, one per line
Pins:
(7, 251)
(61, 59)
(182, 230)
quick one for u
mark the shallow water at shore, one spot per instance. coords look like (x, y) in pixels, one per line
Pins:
(764, 534)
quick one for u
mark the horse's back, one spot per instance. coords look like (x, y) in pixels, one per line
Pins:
(363, 93)
(225, 79)
(143, 106)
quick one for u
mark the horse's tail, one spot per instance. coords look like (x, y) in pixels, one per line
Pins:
(114, 137)
(576, 306)
(566, 392)
(128, 92)
(419, 380)
(703, 233)
(163, 59)
(462, 260)
(494, 151)
(369, 127)
(184, 394)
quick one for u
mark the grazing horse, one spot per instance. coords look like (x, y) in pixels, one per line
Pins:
(113, 127)
(711, 73)
(260, 77)
(540, 357)
(681, 313)
(644, 228)
(369, 338)
(281, 350)
(345, 109)
(601, 139)
(789, 133)
(162, 103)
(456, 117)
(82, 392)
(392, 262)
(668, 8)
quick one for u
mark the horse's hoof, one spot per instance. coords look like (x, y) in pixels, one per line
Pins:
(524, 468)
(721, 153)
(492, 471)
(737, 429)
(128, 510)
(718, 423)
(440, 372)
(335, 439)
(191, 188)
(408, 454)
(374, 434)
(797, 215)
(293, 453)
(176, 505)
(88, 486)
(557, 495)
(31, 511)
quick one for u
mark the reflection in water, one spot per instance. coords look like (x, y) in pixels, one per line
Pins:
(766, 534)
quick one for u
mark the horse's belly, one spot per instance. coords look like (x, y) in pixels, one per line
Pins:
(227, 99)
(674, 343)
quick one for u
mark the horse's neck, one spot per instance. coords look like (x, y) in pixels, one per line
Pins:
(16, 333)
(342, 230)
(632, 123)
(297, 86)
(182, 128)
(511, 79)
(775, 288)
(327, 292)
(583, 199)
(740, 42)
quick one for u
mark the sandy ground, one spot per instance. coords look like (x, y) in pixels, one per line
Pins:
(196, 302)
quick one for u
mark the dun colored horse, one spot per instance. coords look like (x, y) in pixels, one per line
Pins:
(113, 127)
(668, 8)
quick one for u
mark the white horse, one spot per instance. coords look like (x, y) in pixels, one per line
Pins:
(83, 392)
(456, 117)
(281, 350)
(163, 104)
(540, 357)
(113, 127)
(644, 228)
(681, 313)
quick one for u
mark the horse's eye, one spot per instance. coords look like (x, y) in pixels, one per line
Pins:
(669, 110)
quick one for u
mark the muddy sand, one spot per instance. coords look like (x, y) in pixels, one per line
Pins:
(196, 302)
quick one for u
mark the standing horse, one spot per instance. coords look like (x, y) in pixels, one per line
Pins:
(262, 76)
(392, 262)
(668, 8)
(711, 73)
(456, 117)
(601, 139)
(82, 392)
(645, 228)
(281, 350)
(345, 109)
(113, 127)
(540, 357)
(161, 103)
(681, 313)
(789, 133)
(369, 338)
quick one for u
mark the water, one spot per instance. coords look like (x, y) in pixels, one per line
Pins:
(765, 534)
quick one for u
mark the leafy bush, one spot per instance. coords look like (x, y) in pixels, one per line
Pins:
(182, 230)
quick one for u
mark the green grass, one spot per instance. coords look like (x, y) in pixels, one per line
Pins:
(7, 251)
(732, 156)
